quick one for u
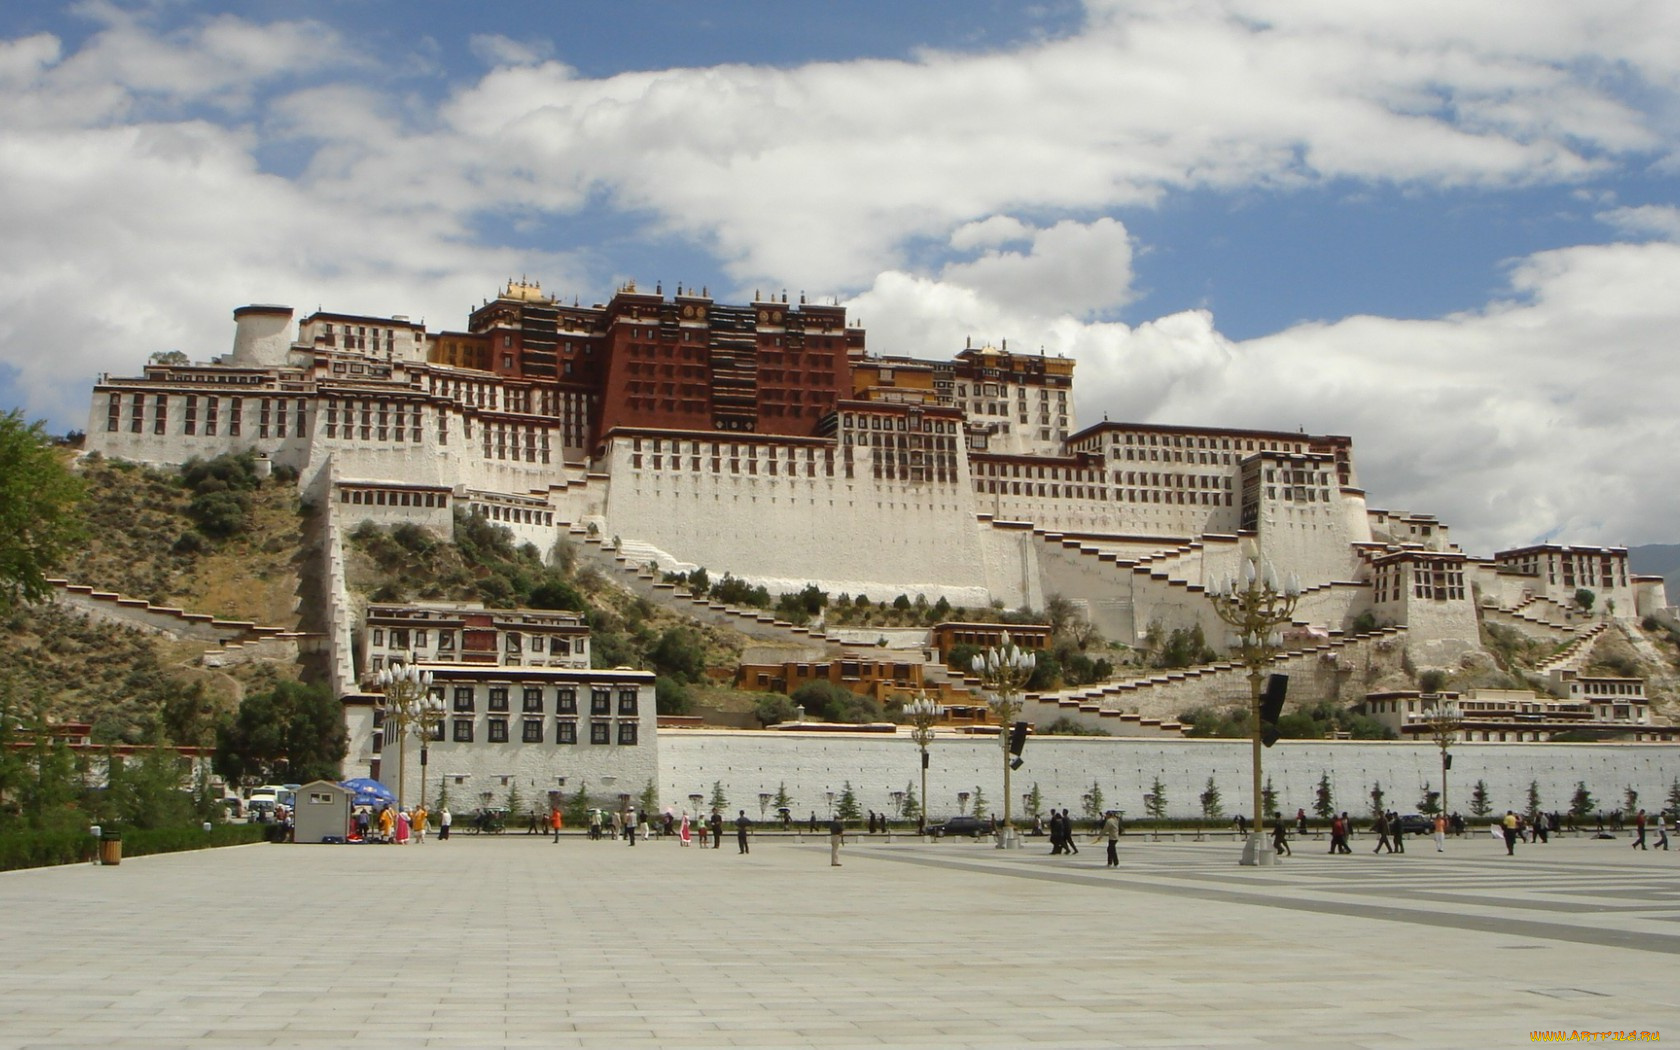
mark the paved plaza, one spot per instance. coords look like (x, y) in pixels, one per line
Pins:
(516, 941)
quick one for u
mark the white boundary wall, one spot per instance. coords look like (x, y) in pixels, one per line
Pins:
(810, 764)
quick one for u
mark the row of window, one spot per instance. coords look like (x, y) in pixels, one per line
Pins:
(272, 414)
(531, 731)
(532, 700)
(386, 498)
(403, 638)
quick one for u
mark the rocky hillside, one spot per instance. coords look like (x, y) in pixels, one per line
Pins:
(233, 552)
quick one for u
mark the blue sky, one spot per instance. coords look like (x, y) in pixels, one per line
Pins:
(1444, 229)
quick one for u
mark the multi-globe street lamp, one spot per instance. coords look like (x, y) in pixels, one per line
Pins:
(923, 713)
(408, 704)
(1256, 606)
(1003, 670)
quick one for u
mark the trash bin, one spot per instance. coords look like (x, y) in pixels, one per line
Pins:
(110, 848)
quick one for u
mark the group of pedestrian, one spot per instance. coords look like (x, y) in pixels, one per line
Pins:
(1061, 833)
(394, 826)
(1391, 835)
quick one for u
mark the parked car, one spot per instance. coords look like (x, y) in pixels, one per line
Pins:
(1416, 824)
(973, 827)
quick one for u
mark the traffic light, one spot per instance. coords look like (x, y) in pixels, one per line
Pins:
(1271, 707)
(1017, 741)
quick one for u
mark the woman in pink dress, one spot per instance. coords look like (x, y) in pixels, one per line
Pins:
(402, 827)
(684, 831)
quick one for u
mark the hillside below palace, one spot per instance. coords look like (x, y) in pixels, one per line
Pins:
(766, 441)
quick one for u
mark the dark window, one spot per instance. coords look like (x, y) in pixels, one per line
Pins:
(532, 733)
(600, 702)
(498, 731)
(627, 701)
(565, 700)
(565, 732)
(498, 698)
(600, 733)
(464, 698)
(627, 733)
(463, 730)
(533, 700)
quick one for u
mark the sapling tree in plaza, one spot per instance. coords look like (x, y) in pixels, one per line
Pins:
(1211, 807)
(1155, 803)
(1533, 796)
(1480, 804)
(1324, 800)
(1377, 796)
(1430, 803)
(1582, 804)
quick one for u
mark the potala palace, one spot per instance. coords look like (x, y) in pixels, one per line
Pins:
(766, 441)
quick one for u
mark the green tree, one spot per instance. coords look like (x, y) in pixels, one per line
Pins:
(649, 799)
(783, 799)
(1480, 804)
(145, 791)
(1377, 795)
(671, 697)
(1324, 801)
(846, 807)
(1092, 801)
(515, 801)
(1582, 804)
(1585, 599)
(1533, 797)
(1674, 795)
(39, 520)
(291, 734)
(979, 801)
(1155, 803)
(720, 801)
(577, 808)
(912, 808)
(773, 708)
(1035, 801)
(1430, 803)
(1630, 799)
(1211, 807)
(679, 654)
(1268, 798)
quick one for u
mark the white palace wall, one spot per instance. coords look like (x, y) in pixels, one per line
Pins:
(1064, 768)
(793, 528)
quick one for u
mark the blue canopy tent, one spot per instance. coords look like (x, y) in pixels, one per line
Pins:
(370, 793)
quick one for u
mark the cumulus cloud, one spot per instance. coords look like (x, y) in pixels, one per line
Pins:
(161, 175)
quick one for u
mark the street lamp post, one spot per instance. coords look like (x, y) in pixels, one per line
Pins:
(1003, 670)
(1255, 608)
(407, 692)
(923, 713)
(430, 716)
(1444, 721)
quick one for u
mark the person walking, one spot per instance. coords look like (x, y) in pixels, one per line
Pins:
(1381, 828)
(836, 836)
(1055, 833)
(1111, 832)
(717, 829)
(630, 826)
(1397, 834)
(1638, 830)
(1068, 832)
(1301, 822)
(445, 819)
(743, 824)
(1509, 828)
(1440, 833)
(1280, 836)
(1662, 830)
(554, 822)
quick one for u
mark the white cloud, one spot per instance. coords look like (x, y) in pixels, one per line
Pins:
(1645, 220)
(951, 196)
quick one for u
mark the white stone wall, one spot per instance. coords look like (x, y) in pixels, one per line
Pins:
(800, 528)
(810, 764)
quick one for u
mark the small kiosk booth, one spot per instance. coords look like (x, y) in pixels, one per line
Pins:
(322, 813)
